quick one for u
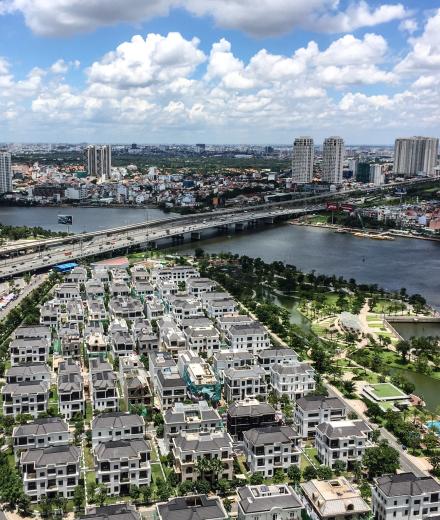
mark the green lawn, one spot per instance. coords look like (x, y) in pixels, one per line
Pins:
(312, 453)
(89, 411)
(90, 477)
(387, 390)
(88, 458)
(156, 471)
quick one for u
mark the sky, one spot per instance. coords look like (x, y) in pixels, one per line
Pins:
(218, 71)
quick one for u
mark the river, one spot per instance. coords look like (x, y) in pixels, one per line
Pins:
(84, 219)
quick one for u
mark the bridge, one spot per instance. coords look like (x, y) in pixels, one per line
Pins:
(41, 254)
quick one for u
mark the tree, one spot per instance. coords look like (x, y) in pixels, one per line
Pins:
(216, 467)
(339, 466)
(78, 497)
(430, 440)
(309, 473)
(434, 460)
(202, 466)
(224, 486)
(365, 490)
(46, 506)
(227, 503)
(146, 493)
(278, 476)
(403, 348)
(186, 487)
(381, 459)
(324, 473)
(294, 474)
(203, 487)
(256, 479)
(164, 491)
(135, 493)
(101, 494)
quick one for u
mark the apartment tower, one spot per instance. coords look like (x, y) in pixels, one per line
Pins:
(415, 155)
(5, 172)
(99, 161)
(302, 160)
(333, 160)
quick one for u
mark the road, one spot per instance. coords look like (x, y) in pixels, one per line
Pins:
(36, 281)
(82, 246)
(406, 464)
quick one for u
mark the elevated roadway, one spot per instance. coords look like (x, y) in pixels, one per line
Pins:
(17, 259)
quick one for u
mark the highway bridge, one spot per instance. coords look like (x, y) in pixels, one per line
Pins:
(41, 254)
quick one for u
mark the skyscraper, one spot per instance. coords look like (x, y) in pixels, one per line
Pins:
(5, 172)
(333, 160)
(99, 161)
(376, 174)
(302, 160)
(415, 155)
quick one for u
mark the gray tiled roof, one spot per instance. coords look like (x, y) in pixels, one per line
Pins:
(26, 387)
(170, 380)
(41, 427)
(278, 353)
(296, 368)
(116, 420)
(192, 508)
(112, 512)
(115, 450)
(180, 412)
(238, 409)
(406, 484)
(27, 369)
(270, 435)
(244, 372)
(251, 328)
(51, 455)
(317, 402)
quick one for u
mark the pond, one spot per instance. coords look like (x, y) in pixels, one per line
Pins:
(427, 387)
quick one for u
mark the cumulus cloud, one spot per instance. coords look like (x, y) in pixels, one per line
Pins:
(409, 25)
(142, 62)
(165, 85)
(425, 52)
(262, 18)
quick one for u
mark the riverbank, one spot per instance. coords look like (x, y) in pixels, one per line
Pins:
(372, 234)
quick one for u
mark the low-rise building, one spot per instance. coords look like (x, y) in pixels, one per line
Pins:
(70, 340)
(405, 496)
(103, 386)
(157, 361)
(171, 337)
(96, 343)
(112, 512)
(226, 322)
(245, 382)
(40, 433)
(143, 289)
(50, 471)
(65, 292)
(96, 311)
(126, 307)
(170, 388)
(178, 273)
(95, 290)
(122, 343)
(248, 338)
(293, 380)
(134, 381)
(29, 350)
(118, 288)
(198, 286)
(121, 464)
(194, 507)
(199, 377)
(271, 448)
(190, 447)
(312, 410)
(145, 338)
(195, 417)
(271, 356)
(184, 307)
(226, 359)
(274, 502)
(201, 336)
(154, 309)
(249, 414)
(342, 440)
(27, 397)
(77, 275)
(334, 499)
(116, 426)
(70, 389)
(28, 372)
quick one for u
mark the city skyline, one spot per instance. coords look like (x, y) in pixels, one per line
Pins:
(189, 72)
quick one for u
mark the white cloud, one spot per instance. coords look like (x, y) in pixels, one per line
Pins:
(409, 25)
(425, 53)
(349, 50)
(59, 67)
(261, 18)
(142, 62)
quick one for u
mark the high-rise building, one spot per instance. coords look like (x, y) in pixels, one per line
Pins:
(333, 160)
(200, 148)
(415, 156)
(302, 160)
(5, 172)
(376, 174)
(99, 161)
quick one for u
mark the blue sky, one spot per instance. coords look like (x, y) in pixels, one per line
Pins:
(218, 71)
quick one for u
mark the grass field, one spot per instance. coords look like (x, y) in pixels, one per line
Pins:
(387, 390)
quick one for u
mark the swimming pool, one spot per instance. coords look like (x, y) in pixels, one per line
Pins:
(434, 425)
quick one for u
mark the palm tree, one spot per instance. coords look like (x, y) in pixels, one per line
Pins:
(216, 467)
(202, 466)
